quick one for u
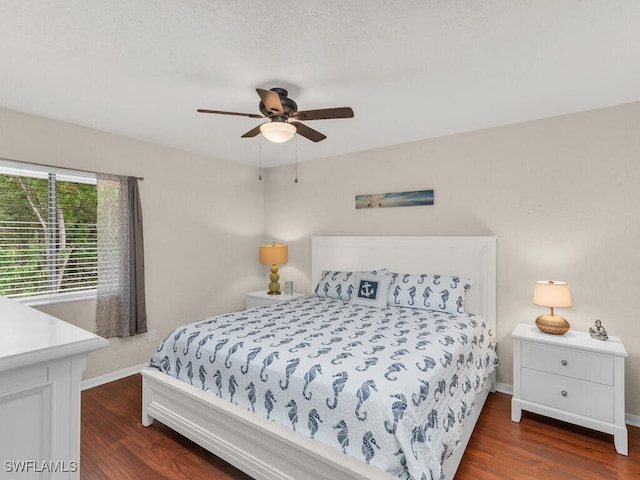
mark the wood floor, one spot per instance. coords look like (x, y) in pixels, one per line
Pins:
(116, 446)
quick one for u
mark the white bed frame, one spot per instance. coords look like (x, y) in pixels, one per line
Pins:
(269, 451)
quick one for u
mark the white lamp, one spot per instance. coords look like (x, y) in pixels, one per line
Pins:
(278, 132)
(552, 295)
(272, 255)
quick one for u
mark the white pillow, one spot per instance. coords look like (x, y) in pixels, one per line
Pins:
(335, 284)
(371, 290)
(445, 293)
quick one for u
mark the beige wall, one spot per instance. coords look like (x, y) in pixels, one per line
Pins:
(562, 196)
(203, 221)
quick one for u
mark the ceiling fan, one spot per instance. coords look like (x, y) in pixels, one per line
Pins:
(279, 109)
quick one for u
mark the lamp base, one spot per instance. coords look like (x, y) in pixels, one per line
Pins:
(552, 324)
(274, 286)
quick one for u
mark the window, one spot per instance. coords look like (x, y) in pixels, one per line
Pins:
(48, 241)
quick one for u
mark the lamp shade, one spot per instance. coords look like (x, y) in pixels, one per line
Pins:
(551, 294)
(278, 132)
(274, 254)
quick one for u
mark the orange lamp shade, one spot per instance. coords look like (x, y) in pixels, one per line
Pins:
(274, 254)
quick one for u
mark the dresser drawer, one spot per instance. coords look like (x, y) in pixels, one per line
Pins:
(592, 367)
(581, 397)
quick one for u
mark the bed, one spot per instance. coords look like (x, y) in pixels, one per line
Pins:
(268, 446)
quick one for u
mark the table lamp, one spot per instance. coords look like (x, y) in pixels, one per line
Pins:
(274, 254)
(552, 295)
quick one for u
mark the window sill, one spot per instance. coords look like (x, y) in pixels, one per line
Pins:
(58, 298)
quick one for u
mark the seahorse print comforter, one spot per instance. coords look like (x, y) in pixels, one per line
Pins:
(389, 386)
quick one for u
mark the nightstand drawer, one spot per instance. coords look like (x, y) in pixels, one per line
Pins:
(572, 395)
(571, 363)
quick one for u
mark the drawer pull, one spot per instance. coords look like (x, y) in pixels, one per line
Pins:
(564, 393)
(564, 363)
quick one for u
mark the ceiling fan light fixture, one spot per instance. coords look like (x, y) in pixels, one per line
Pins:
(278, 132)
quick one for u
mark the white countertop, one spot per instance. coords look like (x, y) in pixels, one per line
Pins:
(573, 338)
(283, 297)
(28, 336)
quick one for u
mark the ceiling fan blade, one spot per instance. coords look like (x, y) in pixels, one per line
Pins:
(271, 100)
(252, 133)
(252, 115)
(310, 133)
(324, 113)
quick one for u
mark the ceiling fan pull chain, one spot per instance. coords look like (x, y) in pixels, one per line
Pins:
(260, 157)
(296, 180)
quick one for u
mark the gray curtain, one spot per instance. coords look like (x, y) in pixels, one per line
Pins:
(120, 308)
(137, 304)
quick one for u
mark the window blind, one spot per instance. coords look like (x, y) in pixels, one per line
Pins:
(48, 239)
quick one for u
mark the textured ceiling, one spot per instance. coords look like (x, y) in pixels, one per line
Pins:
(410, 69)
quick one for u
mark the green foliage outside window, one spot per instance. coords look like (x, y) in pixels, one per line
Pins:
(47, 238)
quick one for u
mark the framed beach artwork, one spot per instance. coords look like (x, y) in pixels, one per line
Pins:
(397, 199)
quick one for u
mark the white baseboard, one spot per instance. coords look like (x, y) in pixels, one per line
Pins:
(632, 419)
(629, 419)
(504, 388)
(110, 377)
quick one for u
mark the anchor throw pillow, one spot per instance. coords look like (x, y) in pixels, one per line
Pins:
(371, 290)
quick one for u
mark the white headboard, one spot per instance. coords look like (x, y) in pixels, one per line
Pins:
(470, 257)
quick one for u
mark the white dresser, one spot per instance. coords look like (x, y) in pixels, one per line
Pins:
(570, 377)
(41, 363)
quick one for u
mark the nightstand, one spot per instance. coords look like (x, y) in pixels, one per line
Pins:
(570, 377)
(258, 299)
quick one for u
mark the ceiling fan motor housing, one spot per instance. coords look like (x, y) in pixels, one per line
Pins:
(288, 105)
